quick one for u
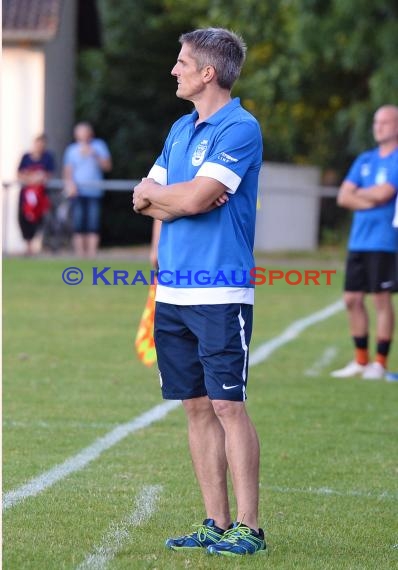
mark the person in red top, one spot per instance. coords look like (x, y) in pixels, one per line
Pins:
(34, 171)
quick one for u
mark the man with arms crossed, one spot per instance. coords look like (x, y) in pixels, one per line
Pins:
(204, 188)
(369, 190)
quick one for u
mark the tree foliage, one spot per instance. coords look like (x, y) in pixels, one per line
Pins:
(315, 73)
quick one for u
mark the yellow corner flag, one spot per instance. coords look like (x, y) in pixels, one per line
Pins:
(144, 342)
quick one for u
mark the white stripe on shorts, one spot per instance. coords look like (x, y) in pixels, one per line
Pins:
(245, 349)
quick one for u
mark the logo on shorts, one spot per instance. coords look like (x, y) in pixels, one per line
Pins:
(199, 153)
(386, 284)
(230, 387)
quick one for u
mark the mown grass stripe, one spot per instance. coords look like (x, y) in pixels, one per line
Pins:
(324, 360)
(326, 491)
(79, 461)
(119, 534)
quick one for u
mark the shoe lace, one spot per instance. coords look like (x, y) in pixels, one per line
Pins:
(202, 531)
(234, 534)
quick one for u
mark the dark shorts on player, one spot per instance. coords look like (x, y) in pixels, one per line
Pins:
(371, 272)
(203, 350)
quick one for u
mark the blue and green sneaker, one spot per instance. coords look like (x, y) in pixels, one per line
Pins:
(238, 541)
(205, 535)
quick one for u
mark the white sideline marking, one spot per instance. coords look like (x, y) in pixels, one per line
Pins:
(325, 359)
(265, 350)
(118, 534)
(79, 461)
(54, 424)
(327, 491)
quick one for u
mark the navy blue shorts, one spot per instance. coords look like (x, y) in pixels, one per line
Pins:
(86, 214)
(203, 350)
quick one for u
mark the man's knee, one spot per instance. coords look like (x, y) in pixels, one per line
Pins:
(354, 300)
(225, 409)
(382, 301)
(198, 407)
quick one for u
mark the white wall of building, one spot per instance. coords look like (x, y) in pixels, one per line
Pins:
(22, 118)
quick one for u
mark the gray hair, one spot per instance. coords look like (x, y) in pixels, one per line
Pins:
(220, 48)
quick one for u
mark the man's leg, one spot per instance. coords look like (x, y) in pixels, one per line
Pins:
(181, 376)
(384, 314)
(29, 247)
(93, 225)
(78, 216)
(207, 445)
(242, 453)
(92, 244)
(384, 325)
(357, 314)
(78, 244)
(358, 321)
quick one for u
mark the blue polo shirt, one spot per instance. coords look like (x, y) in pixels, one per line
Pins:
(206, 258)
(86, 168)
(372, 229)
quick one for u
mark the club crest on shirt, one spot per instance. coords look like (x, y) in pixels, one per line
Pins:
(199, 153)
(365, 170)
(381, 176)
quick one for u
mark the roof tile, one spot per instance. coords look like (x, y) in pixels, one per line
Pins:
(31, 19)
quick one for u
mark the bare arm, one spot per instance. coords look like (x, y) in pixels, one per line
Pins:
(153, 254)
(23, 177)
(348, 198)
(197, 196)
(378, 194)
(26, 177)
(105, 164)
(69, 184)
(87, 149)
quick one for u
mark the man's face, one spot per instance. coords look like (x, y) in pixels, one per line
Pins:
(83, 134)
(385, 125)
(189, 77)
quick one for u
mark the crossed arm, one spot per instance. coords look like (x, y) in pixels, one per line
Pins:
(354, 198)
(197, 196)
(105, 164)
(34, 177)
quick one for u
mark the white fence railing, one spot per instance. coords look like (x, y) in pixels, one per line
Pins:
(12, 241)
(11, 238)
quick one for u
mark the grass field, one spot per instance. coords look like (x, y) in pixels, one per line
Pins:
(329, 467)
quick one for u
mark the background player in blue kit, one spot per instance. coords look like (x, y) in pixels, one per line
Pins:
(203, 187)
(370, 190)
